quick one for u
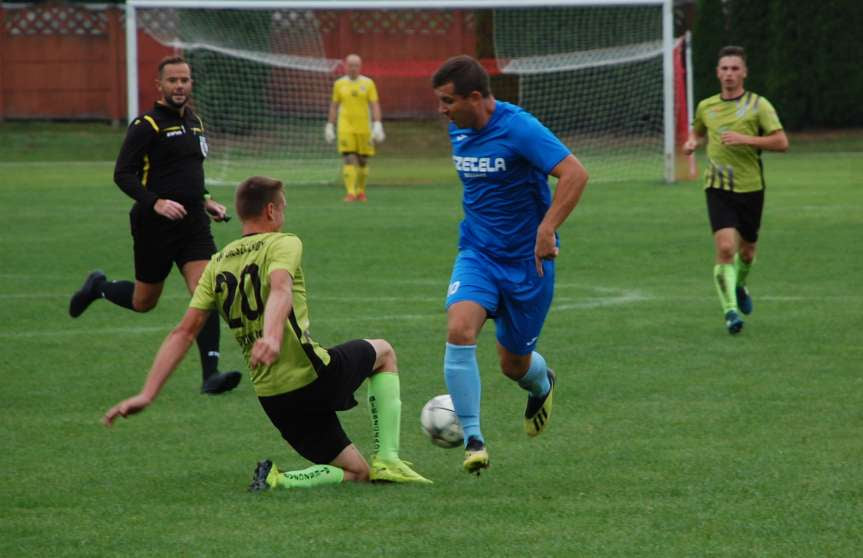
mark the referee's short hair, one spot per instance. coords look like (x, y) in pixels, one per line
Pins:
(253, 195)
(172, 59)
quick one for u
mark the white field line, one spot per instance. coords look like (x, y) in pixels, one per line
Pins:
(561, 304)
(582, 301)
(624, 298)
(167, 327)
(373, 300)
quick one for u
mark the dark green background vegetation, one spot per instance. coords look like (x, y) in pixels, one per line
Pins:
(804, 56)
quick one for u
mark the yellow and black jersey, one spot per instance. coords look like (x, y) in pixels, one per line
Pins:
(734, 167)
(163, 157)
(236, 283)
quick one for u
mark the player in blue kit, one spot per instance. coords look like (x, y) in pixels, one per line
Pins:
(507, 243)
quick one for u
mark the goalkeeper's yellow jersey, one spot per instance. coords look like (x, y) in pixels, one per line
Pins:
(734, 167)
(354, 96)
(236, 282)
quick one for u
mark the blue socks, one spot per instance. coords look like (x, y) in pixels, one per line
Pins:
(535, 380)
(461, 373)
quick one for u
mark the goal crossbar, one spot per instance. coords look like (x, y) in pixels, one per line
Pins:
(383, 4)
(527, 65)
(572, 61)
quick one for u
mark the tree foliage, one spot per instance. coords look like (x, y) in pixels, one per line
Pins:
(804, 56)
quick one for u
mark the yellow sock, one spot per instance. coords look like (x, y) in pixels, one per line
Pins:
(362, 175)
(349, 174)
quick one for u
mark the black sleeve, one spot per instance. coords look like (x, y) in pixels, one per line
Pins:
(130, 161)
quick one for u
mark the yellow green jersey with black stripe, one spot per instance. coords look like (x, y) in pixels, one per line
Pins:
(734, 167)
(236, 283)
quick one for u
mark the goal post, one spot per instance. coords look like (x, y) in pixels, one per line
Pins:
(599, 73)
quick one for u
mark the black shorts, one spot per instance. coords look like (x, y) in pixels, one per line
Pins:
(739, 210)
(307, 417)
(160, 242)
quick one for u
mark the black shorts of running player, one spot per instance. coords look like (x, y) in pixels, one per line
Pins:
(739, 210)
(160, 242)
(307, 417)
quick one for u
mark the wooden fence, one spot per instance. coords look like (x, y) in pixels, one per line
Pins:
(68, 61)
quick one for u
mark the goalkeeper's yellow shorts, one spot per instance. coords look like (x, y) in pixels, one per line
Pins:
(356, 143)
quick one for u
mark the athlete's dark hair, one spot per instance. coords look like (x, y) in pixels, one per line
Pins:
(732, 50)
(171, 60)
(466, 74)
(253, 195)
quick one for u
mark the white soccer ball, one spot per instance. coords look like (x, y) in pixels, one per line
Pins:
(440, 423)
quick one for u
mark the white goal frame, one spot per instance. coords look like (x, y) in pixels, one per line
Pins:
(667, 36)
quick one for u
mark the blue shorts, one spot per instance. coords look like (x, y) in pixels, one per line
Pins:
(512, 292)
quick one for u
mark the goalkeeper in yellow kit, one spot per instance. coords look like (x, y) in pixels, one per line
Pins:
(258, 286)
(353, 95)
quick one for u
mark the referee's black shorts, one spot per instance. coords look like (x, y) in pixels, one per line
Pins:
(160, 242)
(307, 417)
(738, 210)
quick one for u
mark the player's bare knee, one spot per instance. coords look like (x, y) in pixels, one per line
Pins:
(461, 333)
(725, 250)
(385, 356)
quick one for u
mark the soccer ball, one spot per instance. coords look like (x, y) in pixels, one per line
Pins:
(440, 423)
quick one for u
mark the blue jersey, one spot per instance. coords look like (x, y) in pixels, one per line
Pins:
(504, 170)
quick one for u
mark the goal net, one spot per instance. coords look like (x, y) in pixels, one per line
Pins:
(264, 72)
(594, 76)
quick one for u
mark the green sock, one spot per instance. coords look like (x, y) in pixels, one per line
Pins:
(742, 269)
(316, 475)
(385, 406)
(725, 279)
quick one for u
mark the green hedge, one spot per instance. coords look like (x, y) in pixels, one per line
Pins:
(804, 55)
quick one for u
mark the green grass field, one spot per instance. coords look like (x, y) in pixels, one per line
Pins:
(669, 437)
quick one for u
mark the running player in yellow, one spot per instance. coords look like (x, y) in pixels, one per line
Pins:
(739, 124)
(257, 285)
(353, 95)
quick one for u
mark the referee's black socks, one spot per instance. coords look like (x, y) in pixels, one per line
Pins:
(118, 292)
(208, 345)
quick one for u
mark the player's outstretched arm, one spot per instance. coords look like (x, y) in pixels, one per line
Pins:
(276, 311)
(571, 181)
(170, 354)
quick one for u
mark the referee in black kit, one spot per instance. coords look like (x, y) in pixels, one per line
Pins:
(161, 167)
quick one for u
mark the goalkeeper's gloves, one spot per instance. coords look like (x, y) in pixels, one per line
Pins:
(330, 132)
(378, 132)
